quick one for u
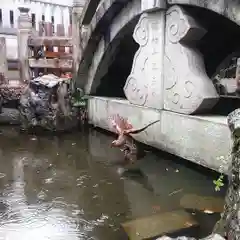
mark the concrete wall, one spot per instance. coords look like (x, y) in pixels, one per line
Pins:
(60, 10)
(12, 46)
(204, 140)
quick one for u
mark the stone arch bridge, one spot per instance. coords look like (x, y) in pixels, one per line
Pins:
(157, 59)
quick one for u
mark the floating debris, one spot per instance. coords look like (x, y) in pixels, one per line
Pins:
(41, 195)
(208, 211)
(175, 192)
(2, 175)
(48, 180)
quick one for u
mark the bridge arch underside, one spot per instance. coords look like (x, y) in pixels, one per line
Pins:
(184, 136)
(219, 47)
(116, 64)
(112, 61)
(221, 39)
(113, 57)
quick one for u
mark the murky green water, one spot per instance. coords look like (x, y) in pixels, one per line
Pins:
(67, 187)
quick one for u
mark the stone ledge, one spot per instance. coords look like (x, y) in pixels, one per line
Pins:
(204, 140)
(226, 8)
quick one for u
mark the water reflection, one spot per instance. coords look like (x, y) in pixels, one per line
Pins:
(67, 187)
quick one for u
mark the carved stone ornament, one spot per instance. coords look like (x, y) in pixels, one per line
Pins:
(187, 88)
(152, 5)
(24, 19)
(144, 84)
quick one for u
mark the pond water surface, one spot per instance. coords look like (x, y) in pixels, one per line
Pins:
(68, 187)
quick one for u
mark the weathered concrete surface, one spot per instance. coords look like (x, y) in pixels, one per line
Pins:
(227, 8)
(144, 85)
(187, 88)
(203, 140)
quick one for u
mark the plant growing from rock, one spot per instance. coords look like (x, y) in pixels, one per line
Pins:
(79, 102)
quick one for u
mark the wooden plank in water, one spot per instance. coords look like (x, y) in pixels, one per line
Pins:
(202, 203)
(50, 41)
(158, 225)
(51, 63)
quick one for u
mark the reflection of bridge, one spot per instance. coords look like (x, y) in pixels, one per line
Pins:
(182, 43)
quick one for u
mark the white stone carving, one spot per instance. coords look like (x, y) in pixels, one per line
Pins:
(144, 85)
(152, 5)
(187, 88)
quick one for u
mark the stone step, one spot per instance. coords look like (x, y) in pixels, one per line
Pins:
(159, 224)
(202, 203)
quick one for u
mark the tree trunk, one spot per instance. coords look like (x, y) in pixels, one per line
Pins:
(228, 226)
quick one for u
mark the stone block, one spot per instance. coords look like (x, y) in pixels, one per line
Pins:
(185, 136)
(187, 88)
(144, 86)
(202, 203)
(153, 5)
(158, 224)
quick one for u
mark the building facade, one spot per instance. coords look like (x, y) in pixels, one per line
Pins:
(55, 11)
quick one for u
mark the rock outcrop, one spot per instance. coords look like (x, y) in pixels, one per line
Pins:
(46, 103)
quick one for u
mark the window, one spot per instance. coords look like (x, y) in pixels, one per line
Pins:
(52, 20)
(1, 21)
(70, 17)
(33, 20)
(11, 18)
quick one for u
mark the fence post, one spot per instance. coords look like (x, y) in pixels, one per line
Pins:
(24, 31)
(3, 61)
(77, 10)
